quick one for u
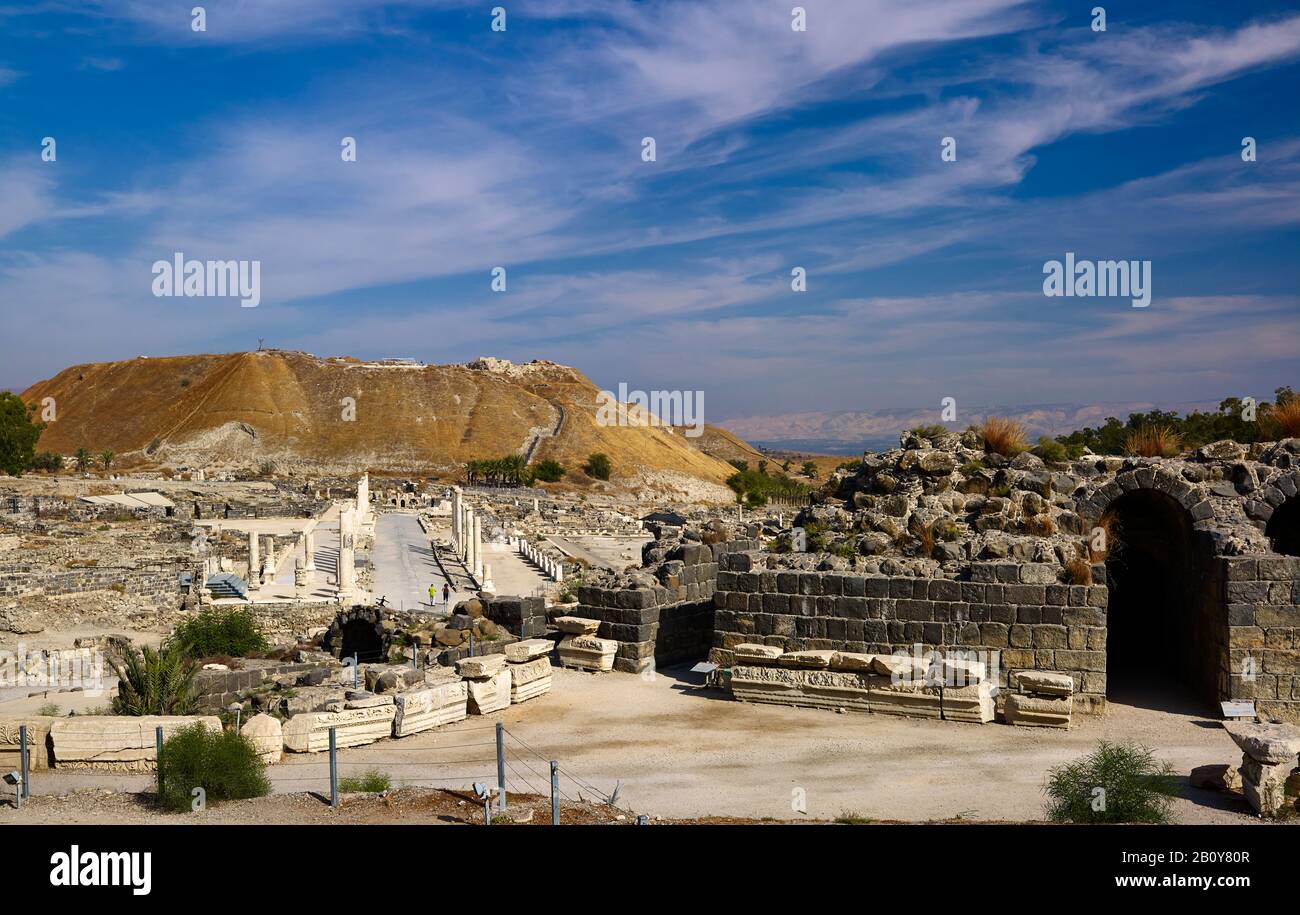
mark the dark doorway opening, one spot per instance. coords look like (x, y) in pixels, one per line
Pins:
(1164, 628)
(1283, 528)
(362, 638)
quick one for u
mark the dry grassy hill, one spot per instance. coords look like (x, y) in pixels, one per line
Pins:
(243, 409)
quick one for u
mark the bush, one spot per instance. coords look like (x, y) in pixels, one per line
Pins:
(1051, 451)
(1134, 787)
(1003, 436)
(224, 764)
(219, 632)
(372, 780)
(598, 466)
(1282, 420)
(47, 461)
(154, 683)
(549, 471)
(930, 432)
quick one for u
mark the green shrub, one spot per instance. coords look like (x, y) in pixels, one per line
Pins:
(154, 683)
(1117, 783)
(1051, 451)
(931, 432)
(372, 780)
(47, 461)
(549, 471)
(598, 466)
(224, 764)
(49, 710)
(219, 632)
(18, 434)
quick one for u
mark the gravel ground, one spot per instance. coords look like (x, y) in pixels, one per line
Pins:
(681, 751)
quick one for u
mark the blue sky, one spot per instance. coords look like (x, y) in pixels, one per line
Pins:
(775, 149)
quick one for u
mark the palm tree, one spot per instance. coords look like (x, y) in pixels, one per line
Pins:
(154, 682)
(106, 458)
(83, 459)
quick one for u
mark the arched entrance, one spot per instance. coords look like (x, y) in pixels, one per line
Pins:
(1283, 528)
(1165, 633)
(358, 631)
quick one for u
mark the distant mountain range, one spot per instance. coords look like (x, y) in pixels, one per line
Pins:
(852, 431)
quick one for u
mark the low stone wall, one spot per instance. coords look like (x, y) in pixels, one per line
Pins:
(218, 688)
(1016, 610)
(669, 622)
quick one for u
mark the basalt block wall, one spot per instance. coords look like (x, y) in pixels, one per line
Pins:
(1262, 661)
(1013, 610)
(671, 622)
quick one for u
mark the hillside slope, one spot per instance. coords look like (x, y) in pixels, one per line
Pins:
(242, 409)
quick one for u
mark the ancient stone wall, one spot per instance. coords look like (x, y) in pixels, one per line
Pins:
(1016, 611)
(669, 622)
(1262, 596)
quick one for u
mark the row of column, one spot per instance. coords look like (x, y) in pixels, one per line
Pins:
(552, 568)
(467, 536)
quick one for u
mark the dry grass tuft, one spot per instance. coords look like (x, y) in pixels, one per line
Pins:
(1099, 546)
(1153, 441)
(1003, 436)
(1283, 419)
(1079, 571)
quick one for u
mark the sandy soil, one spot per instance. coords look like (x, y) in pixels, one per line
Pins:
(682, 751)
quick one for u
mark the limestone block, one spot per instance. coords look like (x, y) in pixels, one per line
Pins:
(481, 667)
(1265, 785)
(587, 653)
(900, 666)
(354, 727)
(1044, 682)
(425, 709)
(489, 695)
(576, 625)
(530, 680)
(910, 699)
(267, 736)
(1039, 711)
(750, 653)
(813, 659)
(1219, 777)
(532, 670)
(363, 699)
(528, 649)
(38, 732)
(972, 703)
(849, 660)
(1270, 744)
(961, 672)
(804, 687)
(116, 741)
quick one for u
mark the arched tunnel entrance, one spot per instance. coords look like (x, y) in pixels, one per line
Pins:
(1165, 630)
(1283, 529)
(359, 631)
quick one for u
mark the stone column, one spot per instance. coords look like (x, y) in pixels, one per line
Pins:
(300, 587)
(559, 571)
(478, 548)
(347, 558)
(467, 547)
(268, 564)
(254, 565)
(455, 516)
(309, 549)
(487, 584)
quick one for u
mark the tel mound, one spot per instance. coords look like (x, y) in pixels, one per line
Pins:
(295, 410)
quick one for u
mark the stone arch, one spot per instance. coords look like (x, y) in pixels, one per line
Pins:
(1283, 527)
(1166, 626)
(1271, 497)
(360, 631)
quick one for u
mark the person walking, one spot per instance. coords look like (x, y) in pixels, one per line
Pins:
(433, 595)
(446, 595)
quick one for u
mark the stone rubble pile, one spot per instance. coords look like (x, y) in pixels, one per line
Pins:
(442, 702)
(580, 649)
(1042, 699)
(487, 677)
(530, 669)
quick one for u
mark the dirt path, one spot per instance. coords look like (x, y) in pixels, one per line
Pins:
(681, 751)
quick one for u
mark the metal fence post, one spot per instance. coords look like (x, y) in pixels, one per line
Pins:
(158, 739)
(356, 666)
(334, 769)
(415, 653)
(555, 793)
(501, 766)
(24, 755)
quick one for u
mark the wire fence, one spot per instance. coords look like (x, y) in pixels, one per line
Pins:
(489, 759)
